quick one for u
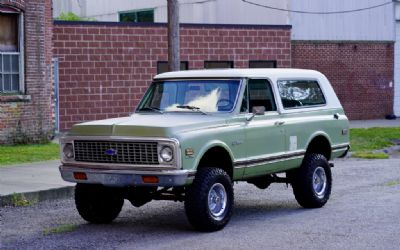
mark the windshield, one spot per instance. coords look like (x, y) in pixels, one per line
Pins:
(191, 96)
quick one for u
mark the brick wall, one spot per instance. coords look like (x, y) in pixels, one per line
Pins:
(19, 4)
(361, 73)
(28, 116)
(106, 67)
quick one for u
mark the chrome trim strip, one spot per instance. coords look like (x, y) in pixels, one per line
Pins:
(274, 161)
(271, 158)
(71, 138)
(340, 146)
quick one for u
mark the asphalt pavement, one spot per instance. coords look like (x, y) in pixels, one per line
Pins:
(362, 213)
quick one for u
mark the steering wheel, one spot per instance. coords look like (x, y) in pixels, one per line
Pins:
(224, 104)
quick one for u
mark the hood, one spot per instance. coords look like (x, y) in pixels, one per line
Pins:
(147, 125)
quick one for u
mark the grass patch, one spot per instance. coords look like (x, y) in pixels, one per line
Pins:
(364, 141)
(28, 153)
(370, 155)
(392, 183)
(63, 228)
(19, 200)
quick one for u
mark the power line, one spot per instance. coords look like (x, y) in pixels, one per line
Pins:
(316, 12)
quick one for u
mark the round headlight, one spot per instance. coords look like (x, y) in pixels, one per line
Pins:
(68, 151)
(167, 154)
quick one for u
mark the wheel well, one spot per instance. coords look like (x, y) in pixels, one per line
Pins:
(320, 145)
(217, 157)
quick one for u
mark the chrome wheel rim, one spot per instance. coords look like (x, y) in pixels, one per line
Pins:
(319, 181)
(217, 200)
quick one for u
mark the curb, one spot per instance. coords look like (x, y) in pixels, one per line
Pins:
(38, 196)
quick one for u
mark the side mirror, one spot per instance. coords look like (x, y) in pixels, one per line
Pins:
(258, 110)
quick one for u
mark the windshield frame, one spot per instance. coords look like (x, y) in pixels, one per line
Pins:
(150, 88)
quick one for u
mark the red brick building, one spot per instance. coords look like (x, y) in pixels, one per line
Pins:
(106, 67)
(26, 113)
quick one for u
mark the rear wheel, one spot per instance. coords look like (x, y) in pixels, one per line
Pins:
(209, 200)
(97, 204)
(312, 182)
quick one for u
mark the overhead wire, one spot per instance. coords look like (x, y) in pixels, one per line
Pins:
(317, 12)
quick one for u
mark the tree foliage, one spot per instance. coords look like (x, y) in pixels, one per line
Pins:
(70, 16)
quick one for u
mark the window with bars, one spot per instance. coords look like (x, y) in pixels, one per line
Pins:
(138, 16)
(218, 64)
(262, 64)
(9, 72)
(162, 66)
(10, 40)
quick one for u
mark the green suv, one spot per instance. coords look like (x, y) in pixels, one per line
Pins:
(196, 132)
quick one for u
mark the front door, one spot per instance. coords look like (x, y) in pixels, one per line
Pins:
(264, 133)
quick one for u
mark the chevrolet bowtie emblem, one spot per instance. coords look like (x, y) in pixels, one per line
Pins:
(111, 152)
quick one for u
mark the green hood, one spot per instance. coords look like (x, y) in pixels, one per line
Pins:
(147, 125)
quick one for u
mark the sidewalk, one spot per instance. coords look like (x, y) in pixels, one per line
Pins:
(42, 181)
(375, 123)
(35, 181)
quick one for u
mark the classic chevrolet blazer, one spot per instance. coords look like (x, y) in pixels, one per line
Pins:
(196, 132)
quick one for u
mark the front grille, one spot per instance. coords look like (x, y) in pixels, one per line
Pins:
(139, 153)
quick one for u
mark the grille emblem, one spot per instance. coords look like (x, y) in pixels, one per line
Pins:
(111, 152)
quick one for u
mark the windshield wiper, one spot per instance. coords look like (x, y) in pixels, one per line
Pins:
(152, 109)
(191, 108)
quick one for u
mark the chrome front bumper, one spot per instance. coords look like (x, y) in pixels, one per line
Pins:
(124, 178)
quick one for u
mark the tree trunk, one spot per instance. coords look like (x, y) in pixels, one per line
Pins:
(173, 36)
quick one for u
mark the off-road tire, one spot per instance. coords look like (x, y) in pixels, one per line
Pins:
(198, 195)
(303, 181)
(97, 204)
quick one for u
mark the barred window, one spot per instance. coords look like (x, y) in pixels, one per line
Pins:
(218, 64)
(137, 16)
(162, 66)
(10, 65)
(262, 64)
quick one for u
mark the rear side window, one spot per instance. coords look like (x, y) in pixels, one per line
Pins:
(300, 93)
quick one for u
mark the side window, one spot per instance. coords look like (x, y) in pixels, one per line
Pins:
(260, 94)
(300, 93)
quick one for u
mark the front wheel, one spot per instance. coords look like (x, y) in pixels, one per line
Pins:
(97, 204)
(312, 182)
(209, 200)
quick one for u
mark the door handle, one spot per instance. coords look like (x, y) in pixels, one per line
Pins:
(279, 123)
(336, 116)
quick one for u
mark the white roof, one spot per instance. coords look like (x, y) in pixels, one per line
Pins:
(272, 73)
(240, 73)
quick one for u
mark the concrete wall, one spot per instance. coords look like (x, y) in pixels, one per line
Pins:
(28, 116)
(191, 11)
(106, 67)
(361, 73)
(369, 25)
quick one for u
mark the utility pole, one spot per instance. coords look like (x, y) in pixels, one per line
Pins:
(173, 36)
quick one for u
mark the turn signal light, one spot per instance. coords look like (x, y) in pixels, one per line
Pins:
(150, 179)
(80, 176)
